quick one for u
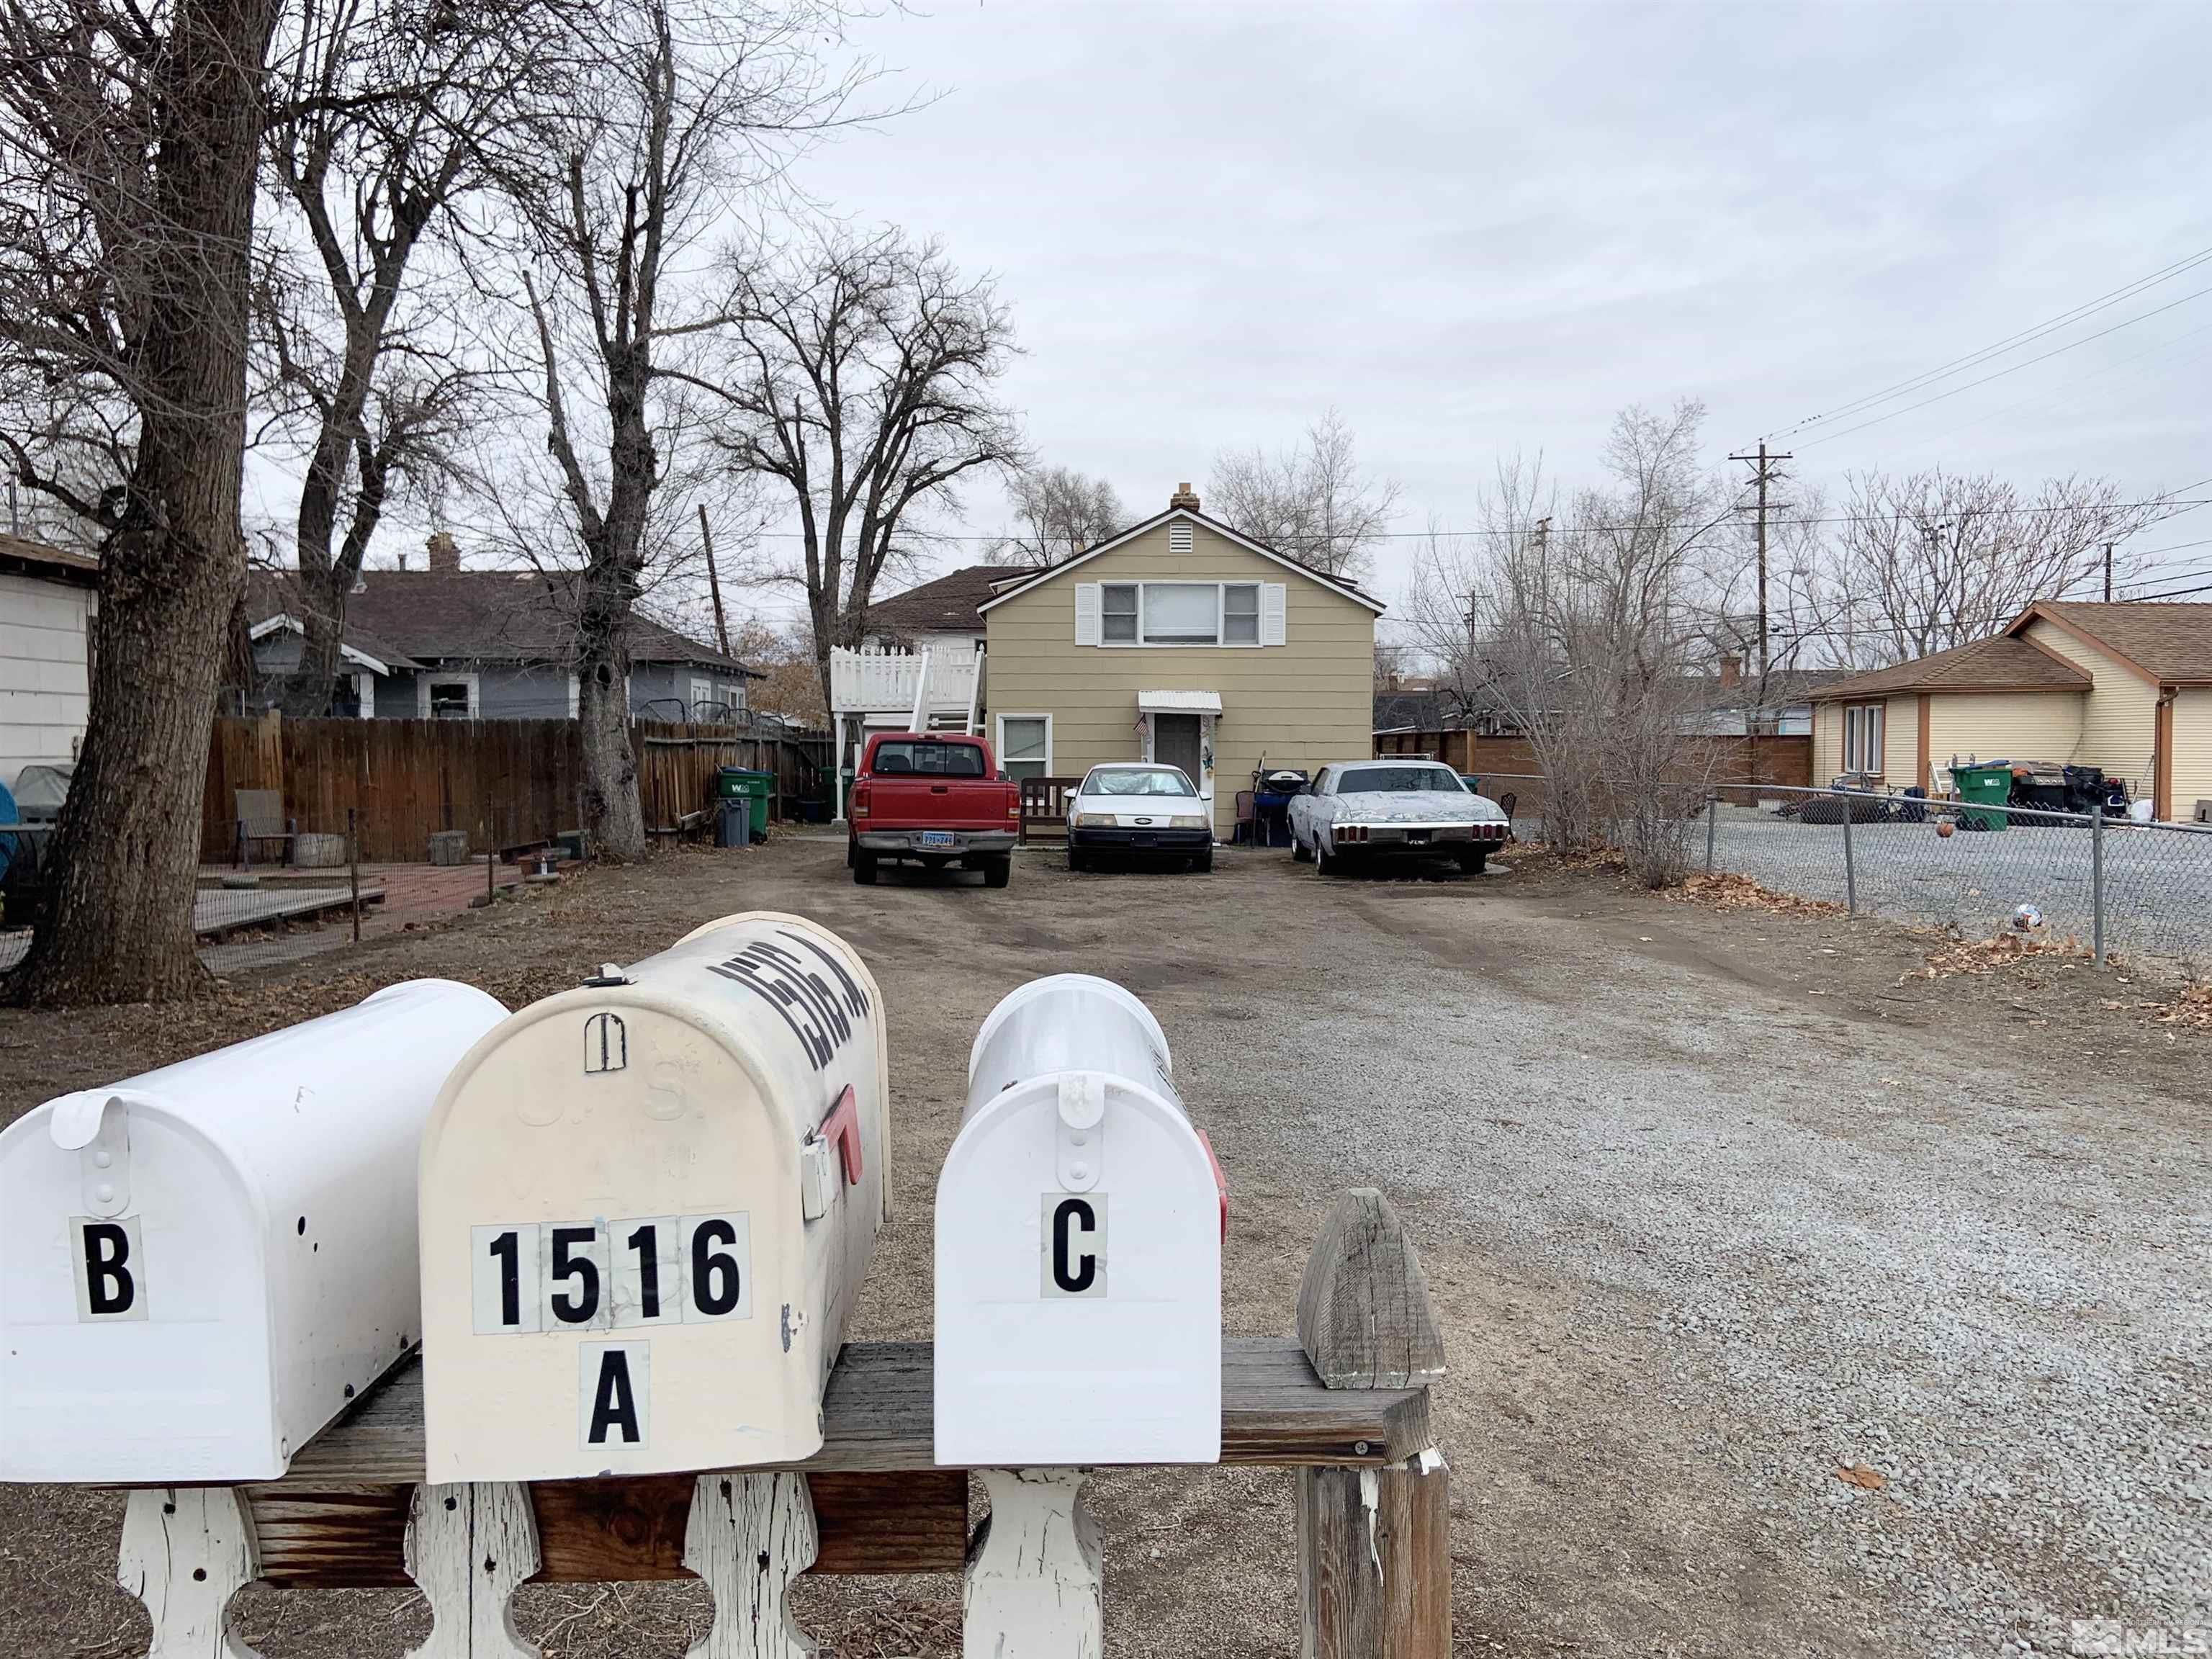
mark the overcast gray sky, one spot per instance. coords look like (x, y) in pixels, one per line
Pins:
(1480, 228)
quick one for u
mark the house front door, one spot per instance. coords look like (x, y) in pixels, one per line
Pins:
(1175, 743)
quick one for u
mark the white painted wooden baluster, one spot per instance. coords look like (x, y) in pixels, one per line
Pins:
(750, 1535)
(1034, 1578)
(187, 1551)
(470, 1546)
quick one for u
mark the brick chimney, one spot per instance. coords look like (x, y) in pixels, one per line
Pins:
(445, 551)
(1731, 671)
(1182, 497)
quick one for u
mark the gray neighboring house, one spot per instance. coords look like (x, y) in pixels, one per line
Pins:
(448, 643)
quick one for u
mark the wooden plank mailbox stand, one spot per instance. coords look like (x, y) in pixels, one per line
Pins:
(1346, 1405)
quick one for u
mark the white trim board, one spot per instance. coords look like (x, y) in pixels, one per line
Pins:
(1220, 529)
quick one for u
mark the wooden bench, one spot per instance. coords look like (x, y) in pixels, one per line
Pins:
(1045, 803)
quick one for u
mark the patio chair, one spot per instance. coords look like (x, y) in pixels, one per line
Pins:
(1506, 803)
(261, 818)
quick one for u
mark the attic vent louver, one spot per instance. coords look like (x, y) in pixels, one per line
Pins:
(1178, 538)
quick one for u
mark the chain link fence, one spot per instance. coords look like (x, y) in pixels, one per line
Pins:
(2117, 885)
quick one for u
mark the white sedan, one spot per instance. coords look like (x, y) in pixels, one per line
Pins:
(1362, 811)
(1137, 809)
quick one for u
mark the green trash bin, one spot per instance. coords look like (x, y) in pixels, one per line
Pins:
(1983, 786)
(742, 783)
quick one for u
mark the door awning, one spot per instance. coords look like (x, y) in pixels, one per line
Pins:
(1178, 702)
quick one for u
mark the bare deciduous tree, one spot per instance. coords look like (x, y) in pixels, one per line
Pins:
(1580, 628)
(381, 133)
(127, 162)
(1936, 559)
(1312, 502)
(1060, 511)
(863, 373)
(684, 109)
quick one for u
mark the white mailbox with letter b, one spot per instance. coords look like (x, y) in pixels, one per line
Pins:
(647, 1205)
(201, 1266)
(1078, 1244)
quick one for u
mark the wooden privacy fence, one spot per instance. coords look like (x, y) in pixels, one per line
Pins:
(1781, 762)
(508, 783)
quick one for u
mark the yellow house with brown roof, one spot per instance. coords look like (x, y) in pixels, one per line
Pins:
(1181, 641)
(2126, 687)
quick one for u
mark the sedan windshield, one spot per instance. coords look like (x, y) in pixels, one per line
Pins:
(1139, 780)
(1399, 781)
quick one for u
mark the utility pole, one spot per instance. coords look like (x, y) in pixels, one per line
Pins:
(714, 584)
(2108, 573)
(1763, 467)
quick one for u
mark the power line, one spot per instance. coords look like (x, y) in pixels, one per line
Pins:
(2125, 291)
(2044, 358)
(2177, 504)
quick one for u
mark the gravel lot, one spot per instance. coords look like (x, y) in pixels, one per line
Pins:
(1713, 1204)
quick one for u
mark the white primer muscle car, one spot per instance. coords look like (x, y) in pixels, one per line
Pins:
(1363, 811)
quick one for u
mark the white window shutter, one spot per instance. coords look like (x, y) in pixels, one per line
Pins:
(1086, 613)
(1273, 598)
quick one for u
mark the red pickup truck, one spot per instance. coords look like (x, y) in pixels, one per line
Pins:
(936, 799)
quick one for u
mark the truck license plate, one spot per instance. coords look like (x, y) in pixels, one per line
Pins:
(937, 838)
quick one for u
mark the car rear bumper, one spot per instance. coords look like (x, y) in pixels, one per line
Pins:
(907, 843)
(1182, 842)
(1421, 841)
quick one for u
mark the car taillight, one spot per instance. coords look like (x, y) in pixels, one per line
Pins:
(1352, 832)
(860, 801)
(1014, 807)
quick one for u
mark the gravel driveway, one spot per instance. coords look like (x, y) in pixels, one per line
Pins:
(1714, 1206)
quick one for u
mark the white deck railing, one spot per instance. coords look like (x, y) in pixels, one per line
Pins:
(878, 682)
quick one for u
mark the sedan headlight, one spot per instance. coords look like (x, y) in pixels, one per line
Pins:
(1192, 822)
(1094, 820)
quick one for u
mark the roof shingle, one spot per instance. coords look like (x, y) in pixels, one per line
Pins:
(474, 616)
(2172, 643)
(946, 605)
(2002, 664)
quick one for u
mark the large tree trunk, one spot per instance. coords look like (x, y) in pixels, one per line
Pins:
(120, 925)
(614, 816)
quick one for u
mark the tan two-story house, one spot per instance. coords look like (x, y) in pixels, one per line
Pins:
(1181, 641)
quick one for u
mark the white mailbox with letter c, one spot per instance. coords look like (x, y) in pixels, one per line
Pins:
(647, 1205)
(1078, 1244)
(202, 1265)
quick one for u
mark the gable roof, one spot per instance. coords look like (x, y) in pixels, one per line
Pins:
(949, 604)
(35, 559)
(1336, 585)
(2003, 663)
(2168, 643)
(472, 616)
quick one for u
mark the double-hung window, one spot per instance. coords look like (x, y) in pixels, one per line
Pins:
(1118, 613)
(1863, 738)
(1179, 613)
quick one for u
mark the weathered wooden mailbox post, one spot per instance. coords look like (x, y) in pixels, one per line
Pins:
(711, 1122)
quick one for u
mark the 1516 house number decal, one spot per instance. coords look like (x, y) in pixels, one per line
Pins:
(610, 1275)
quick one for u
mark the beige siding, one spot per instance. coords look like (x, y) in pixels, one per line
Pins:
(1901, 741)
(1828, 742)
(2192, 749)
(2014, 726)
(2119, 718)
(1303, 703)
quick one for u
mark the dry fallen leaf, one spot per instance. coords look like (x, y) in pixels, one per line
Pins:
(1858, 1474)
